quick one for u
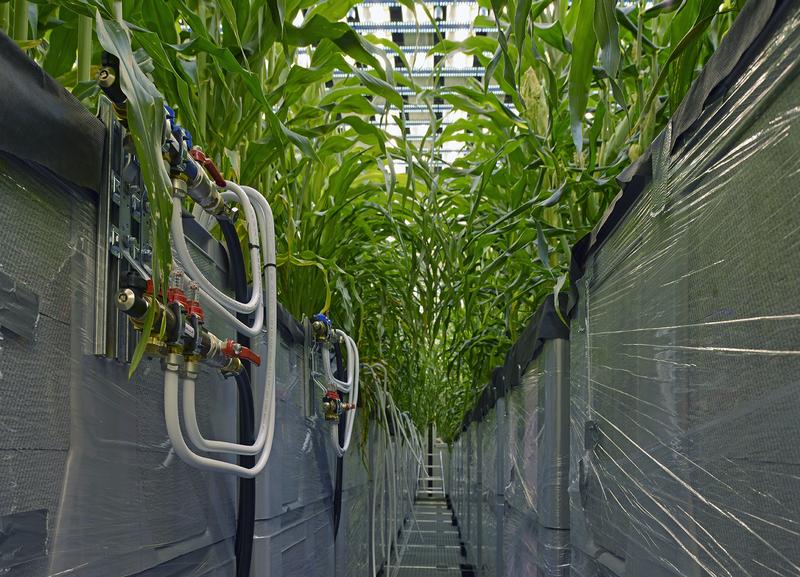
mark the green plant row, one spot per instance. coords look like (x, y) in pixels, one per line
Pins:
(435, 270)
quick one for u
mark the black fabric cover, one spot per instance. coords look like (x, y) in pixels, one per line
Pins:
(40, 121)
(290, 327)
(545, 325)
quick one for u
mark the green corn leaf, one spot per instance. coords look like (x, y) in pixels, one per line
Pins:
(146, 121)
(580, 72)
(607, 32)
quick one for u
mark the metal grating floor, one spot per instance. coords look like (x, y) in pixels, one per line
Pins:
(430, 546)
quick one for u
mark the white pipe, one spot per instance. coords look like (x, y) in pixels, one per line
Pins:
(350, 418)
(200, 442)
(343, 386)
(260, 221)
(266, 423)
(172, 420)
(252, 331)
(194, 272)
(207, 299)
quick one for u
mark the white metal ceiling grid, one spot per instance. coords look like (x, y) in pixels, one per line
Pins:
(415, 34)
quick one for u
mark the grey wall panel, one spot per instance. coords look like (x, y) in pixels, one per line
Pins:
(352, 541)
(537, 465)
(83, 442)
(689, 350)
(299, 542)
(299, 471)
(294, 512)
(524, 430)
(488, 528)
(531, 550)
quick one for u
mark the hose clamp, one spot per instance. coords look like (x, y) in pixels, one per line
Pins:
(179, 187)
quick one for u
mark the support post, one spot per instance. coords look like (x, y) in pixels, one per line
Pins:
(502, 449)
(20, 20)
(371, 497)
(84, 48)
(430, 458)
(479, 496)
(5, 16)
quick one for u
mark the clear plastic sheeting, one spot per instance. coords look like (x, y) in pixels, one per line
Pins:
(89, 485)
(524, 418)
(294, 532)
(509, 470)
(83, 447)
(353, 538)
(685, 351)
(487, 544)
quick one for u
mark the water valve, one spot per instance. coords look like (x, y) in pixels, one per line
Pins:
(333, 407)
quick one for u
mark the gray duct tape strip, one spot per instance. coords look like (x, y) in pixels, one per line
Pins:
(23, 538)
(19, 307)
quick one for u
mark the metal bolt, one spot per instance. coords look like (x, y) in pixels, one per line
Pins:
(115, 248)
(136, 205)
(125, 299)
(106, 77)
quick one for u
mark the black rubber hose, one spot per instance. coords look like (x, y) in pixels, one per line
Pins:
(246, 517)
(337, 492)
(246, 514)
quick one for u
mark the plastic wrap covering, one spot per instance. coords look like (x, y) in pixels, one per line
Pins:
(553, 437)
(352, 541)
(524, 415)
(685, 435)
(40, 121)
(294, 507)
(534, 550)
(536, 519)
(471, 496)
(509, 468)
(88, 483)
(487, 548)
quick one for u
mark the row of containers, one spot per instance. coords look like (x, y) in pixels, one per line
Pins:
(654, 431)
(89, 483)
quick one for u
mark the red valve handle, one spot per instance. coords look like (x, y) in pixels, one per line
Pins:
(249, 355)
(233, 349)
(209, 165)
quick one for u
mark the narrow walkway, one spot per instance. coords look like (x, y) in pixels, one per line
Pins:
(432, 547)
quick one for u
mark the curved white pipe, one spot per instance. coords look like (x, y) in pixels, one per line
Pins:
(266, 224)
(350, 418)
(176, 228)
(259, 222)
(343, 386)
(266, 421)
(171, 418)
(200, 442)
(251, 331)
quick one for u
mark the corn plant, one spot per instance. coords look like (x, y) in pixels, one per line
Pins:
(434, 270)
